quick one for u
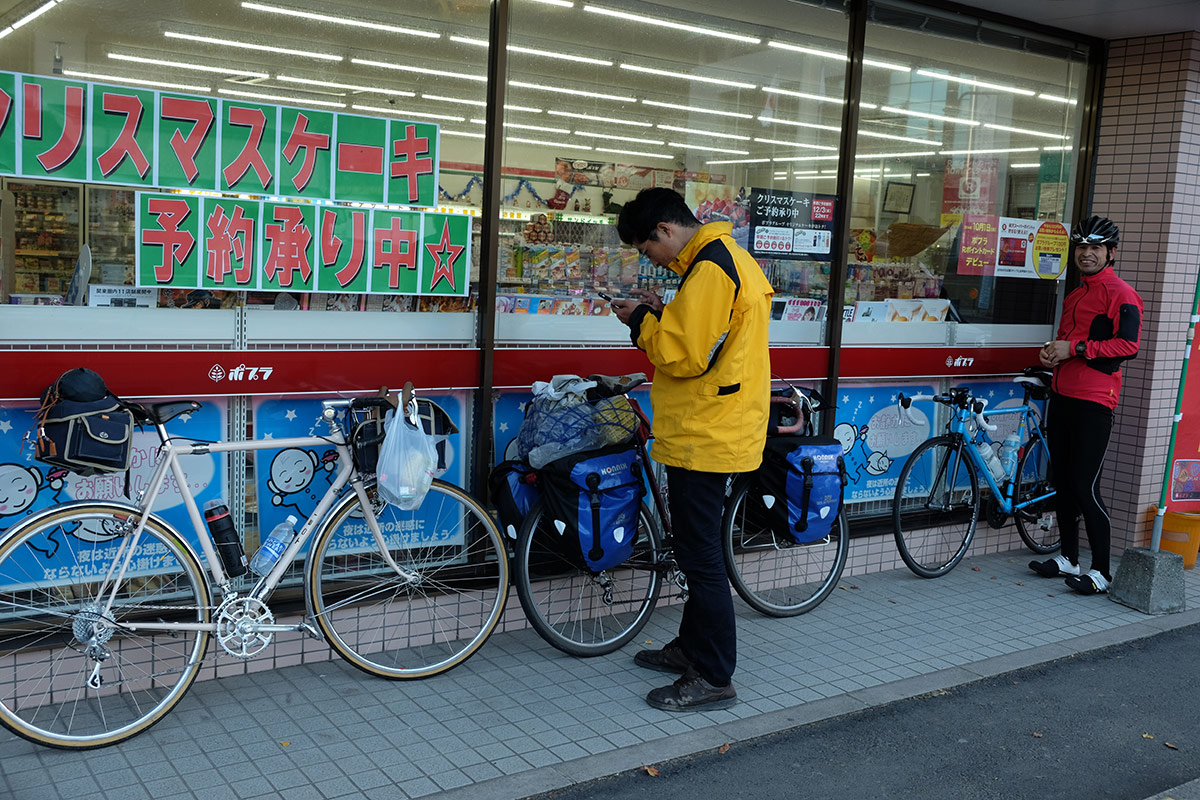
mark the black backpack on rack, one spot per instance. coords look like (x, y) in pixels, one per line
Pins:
(83, 427)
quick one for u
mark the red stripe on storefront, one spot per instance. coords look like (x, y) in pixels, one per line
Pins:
(188, 373)
(181, 373)
(362, 158)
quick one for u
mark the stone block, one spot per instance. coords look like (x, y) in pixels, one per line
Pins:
(1149, 581)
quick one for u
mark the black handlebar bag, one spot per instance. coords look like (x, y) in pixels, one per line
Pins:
(83, 427)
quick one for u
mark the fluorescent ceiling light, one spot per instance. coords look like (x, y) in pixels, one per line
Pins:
(419, 70)
(159, 62)
(812, 51)
(633, 139)
(709, 148)
(350, 87)
(513, 48)
(1025, 131)
(5, 31)
(528, 109)
(1025, 166)
(520, 126)
(573, 92)
(736, 136)
(611, 120)
(547, 144)
(923, 115)
(921, 175)
(789, 159)
(459, 100)
(1057, 99)
(635, 153)
(278, 98)
(799, 124)
(341, 20)
(972, 82)
(866, 156)
(805, 172)
(805, 95)
(696, 110)
(795, 144)
(248, 46)
(689, 77)
(894, 138)
(559, 3)
(32, 15)
(741, 161)
(1058, 147)
(987, 150)
(469, 134)
(121, 79)
(396, 112)
(679, 26)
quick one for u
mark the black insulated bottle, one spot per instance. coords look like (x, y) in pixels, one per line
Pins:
(225, 537)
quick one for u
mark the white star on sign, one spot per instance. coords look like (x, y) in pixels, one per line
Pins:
(5, 426)
(290, 415)
(503, 427)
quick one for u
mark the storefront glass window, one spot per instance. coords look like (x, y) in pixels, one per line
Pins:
(325, 92)
(965, 168)
(723, 103)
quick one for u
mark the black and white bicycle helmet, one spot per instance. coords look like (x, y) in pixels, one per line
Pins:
(1096, 230)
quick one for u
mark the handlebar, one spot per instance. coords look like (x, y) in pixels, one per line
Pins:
(958, 397)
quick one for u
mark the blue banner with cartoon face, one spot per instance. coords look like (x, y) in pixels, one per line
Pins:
(28, 486)
(292, 481)
(876, 440)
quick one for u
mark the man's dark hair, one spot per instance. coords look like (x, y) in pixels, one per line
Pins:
(641, 215)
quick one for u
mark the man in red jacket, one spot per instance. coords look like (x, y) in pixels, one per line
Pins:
(1100, 328)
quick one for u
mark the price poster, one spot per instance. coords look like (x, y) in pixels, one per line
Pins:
(1013, 248)
(791, 225)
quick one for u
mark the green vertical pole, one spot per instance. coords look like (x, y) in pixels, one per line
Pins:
(1156, 532)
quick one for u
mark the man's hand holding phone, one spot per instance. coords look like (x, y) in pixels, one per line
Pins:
(623, 309)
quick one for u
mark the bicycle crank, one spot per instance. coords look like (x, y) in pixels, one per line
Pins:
(240, 626)
(996, 518)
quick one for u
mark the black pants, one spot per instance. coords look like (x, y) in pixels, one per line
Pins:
(1079, 432)
(707, 631)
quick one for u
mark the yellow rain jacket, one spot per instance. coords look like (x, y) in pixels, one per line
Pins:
(712, 379)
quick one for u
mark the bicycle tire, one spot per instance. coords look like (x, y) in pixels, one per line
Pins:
(398, 628)
(1037, 524)
(775, 576)
(53, 637)
(579, 612)
(933, 521)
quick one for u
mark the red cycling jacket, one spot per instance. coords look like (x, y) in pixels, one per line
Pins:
(1105, 314)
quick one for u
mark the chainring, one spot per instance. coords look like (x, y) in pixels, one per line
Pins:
(996, 518)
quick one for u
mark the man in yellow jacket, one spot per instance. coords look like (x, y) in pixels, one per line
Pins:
(710, 395)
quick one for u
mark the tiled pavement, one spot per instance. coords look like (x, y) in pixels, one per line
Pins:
(521, 718)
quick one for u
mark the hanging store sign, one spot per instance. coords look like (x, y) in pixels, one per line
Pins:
(97, 133)
(794, 225)
(199, 242)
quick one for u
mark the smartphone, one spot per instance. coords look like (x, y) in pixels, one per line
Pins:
(605, 296)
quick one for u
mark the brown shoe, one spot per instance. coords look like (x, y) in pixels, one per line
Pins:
(692, 693)
(670, 658)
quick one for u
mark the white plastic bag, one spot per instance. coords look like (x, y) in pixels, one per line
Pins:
(407, 461)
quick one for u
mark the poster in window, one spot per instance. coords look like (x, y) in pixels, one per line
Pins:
(898, 197)
(791, 225)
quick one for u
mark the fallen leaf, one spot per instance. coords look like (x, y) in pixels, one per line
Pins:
(1147, 736)
(1168, 744)
(1020, 584)
(852, 586)
(974, 569)
(1037, 735)
(893, 602)
(1050, 595)
(723, 749)
(651, 771)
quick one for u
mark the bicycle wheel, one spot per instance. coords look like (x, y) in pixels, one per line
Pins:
(77, 677)
(773, 574)
(1036, 523)
(936, 507)
(578, 611)
(409, 626)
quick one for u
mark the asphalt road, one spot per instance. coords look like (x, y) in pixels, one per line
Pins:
(1122, 723)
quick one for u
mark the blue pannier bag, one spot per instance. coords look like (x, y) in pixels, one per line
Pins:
(802, 480)
(513, 486)
(592, 499)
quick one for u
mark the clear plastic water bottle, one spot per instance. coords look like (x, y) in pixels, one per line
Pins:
(1009, 451)
(274, 545)
(991, 459)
